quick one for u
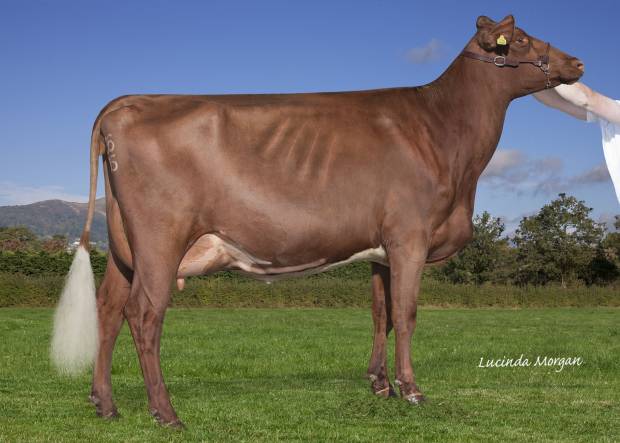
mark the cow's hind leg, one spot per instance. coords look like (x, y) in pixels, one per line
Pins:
(381, 316)
(145, 309)
(111, 298)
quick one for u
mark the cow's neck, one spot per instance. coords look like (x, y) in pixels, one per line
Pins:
(470, 98)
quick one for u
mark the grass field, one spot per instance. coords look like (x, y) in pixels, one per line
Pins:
(297, 375)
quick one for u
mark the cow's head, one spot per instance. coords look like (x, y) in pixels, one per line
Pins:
(528, 63)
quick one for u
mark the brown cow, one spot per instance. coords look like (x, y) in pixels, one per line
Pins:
(285, 184)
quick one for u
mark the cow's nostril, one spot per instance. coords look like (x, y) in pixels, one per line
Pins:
(579, 65)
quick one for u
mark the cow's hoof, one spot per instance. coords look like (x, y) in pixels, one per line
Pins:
(172, 422)
(176, 424)
(108, 415)
(108, 412)
(410, 393)
(415, 398)
(381, 386)
(385, 392)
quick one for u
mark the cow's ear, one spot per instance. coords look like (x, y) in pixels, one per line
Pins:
(499, 34)
(484, 22)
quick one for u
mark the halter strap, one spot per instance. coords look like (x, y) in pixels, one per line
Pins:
(500, 61)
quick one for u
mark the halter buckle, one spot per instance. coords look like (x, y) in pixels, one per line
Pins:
(499, 60)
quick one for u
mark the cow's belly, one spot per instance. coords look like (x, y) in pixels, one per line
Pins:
(211, 253)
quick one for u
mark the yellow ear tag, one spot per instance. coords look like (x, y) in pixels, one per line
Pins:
(501, 40)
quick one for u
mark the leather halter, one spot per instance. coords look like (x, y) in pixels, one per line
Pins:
(500, 61)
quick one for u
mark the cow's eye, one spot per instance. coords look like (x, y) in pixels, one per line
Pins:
(522, 40)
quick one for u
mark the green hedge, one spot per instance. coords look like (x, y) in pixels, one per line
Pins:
(36, 279)
(43, 263)
(230, 290)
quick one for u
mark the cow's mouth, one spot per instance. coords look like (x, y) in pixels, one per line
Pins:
(572, 73)
(573, 77)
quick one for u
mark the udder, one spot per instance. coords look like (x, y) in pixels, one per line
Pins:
(211, 253)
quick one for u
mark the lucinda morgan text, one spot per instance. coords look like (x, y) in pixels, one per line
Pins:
(559, 363)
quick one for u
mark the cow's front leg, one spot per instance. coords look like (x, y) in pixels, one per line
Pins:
(406, 266)
(382, 319)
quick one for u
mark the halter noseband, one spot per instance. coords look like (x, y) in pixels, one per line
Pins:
(501, 61)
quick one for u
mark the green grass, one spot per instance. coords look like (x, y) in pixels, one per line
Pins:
(297, 375)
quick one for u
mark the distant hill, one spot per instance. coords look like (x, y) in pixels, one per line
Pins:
(50, 217)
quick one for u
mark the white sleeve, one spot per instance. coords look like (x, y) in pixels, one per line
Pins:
(611, 148)
(591, 117)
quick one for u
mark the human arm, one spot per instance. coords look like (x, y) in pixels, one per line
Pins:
(553, 99)
(594, 102)
(578, 99)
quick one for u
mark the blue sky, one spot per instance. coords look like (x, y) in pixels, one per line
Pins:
(63, 61)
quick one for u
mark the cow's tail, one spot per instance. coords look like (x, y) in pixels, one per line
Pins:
(75, 339)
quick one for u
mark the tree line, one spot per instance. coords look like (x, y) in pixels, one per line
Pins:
(561, 244)
(23, 252)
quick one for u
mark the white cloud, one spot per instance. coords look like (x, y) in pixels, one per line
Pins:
(598, 174)
(504, 161)
(15, 194)
(511, 170)
(430, 52)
